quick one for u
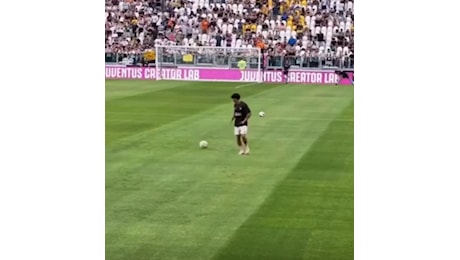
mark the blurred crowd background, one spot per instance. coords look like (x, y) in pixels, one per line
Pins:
(315, 33)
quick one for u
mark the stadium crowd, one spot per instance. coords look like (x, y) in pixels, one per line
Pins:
(301, 28)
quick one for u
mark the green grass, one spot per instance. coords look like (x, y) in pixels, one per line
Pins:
(292, 198)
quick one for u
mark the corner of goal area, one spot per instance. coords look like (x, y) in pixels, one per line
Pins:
(248, 84)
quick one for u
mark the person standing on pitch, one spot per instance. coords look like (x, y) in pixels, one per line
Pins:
(241, 115)
(286, 67)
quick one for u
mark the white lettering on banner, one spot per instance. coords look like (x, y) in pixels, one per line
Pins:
(306, 77)
(150, 73)
(180, 74)
(126, 73)
(247, 75)
(191, 74)
(170, 74)
(331, 78)
(272, 76)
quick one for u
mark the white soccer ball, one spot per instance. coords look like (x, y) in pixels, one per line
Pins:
(203, 144)
(261, 113)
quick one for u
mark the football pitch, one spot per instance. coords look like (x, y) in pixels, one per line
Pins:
(291, 198)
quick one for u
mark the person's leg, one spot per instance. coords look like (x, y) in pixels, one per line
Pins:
(238, 140)
(244, 139)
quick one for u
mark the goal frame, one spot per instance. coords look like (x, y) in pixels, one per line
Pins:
(229, 50)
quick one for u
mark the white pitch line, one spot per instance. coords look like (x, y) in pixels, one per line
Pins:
(245, 85)
(278, 118)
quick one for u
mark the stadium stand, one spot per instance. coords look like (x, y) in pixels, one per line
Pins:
(316, 32)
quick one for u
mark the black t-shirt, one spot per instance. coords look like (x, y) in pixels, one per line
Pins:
(241, 110)
(286, 67)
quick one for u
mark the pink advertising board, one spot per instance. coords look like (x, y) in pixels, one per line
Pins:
(218, 74)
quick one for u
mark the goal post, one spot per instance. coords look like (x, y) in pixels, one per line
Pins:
(206, 63)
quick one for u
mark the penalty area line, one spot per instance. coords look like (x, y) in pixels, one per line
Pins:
(245, 85)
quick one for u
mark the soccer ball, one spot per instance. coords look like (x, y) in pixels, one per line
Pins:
(261, 113)
(203, 144)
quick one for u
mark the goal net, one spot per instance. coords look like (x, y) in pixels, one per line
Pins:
(208, 63)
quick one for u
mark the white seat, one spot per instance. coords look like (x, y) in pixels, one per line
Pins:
(304, 44)
(259, 28)
(238, 43)
(348, 26)
(265, 34)
(317, 30)
(335, 29)
(339, 51)
(240, 8)
(321, 49)
(342, 26)
(230, 28)
(283, 35)
(332, 4)
(329, 31)
(350, 5)
(204, 38)
(324, 30)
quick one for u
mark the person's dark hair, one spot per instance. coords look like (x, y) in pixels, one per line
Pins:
(236, 96)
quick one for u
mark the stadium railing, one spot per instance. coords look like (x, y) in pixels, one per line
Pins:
(274, 62)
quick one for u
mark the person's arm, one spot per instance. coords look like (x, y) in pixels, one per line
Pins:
(248, 114)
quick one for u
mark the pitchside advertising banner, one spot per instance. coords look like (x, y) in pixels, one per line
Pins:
(218, 74)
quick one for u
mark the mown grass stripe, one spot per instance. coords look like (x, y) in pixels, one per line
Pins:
(188, 99)
(166, 199)
(309, 215)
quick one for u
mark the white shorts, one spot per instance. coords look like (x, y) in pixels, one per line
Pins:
(241, 130)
